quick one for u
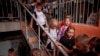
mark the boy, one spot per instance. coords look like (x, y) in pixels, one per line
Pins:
(41, 18)
(11, 52)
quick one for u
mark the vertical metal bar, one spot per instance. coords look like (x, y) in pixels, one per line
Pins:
(98, 5)
(59, 9)
(71, 11)
(26, 25)
(54, 52)
(7, 8)
(93, 7)
(74, 18)
(80, 15)
(66, 8)
(11, 5)
(76, 11)
(20, 16)
(88, 9)
(17, 10)
(2, 10)
(39, 37)
(83, 11)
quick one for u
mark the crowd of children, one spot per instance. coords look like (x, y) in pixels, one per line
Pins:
(63, 34)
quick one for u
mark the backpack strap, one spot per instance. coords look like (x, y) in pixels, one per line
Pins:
(63, 28)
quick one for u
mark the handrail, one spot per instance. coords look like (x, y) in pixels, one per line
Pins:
(59, 47)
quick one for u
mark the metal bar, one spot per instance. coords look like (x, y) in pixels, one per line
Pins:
(93, 6)
(88, 9)
(83, 11)
(98, 5)
(76, 11)
(71, 11)
(59, 47)
(7, 8)
(80, 15)
(26, 26)
(11, 6)
(2, 9)
(18, 10)
(39, 36)
(9, 17)
(20, 16)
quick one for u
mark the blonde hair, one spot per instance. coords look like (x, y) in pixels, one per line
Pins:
(52, 21)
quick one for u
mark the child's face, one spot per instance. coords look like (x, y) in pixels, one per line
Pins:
(67, 21)
(39, 8)
(54, 23)
(50, 11)
(70, 33)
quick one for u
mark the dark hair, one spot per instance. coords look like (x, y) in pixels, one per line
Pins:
(11, 49)
(94, 39)
(39, 4)
(70, 27)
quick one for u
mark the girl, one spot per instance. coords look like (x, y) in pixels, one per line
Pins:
(68, 39)
(53, 32)
(64, 25)
(12, 52)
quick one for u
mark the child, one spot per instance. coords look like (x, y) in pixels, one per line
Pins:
(81, 47)
(41, 18)
(65, 24)
(93, 43)
(49, 15)
(68, 40)
(11, 52)
(53, 30)
(39, 15)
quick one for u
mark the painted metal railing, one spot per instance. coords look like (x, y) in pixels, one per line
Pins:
(81, 11)
(9, 10)
(26, 28)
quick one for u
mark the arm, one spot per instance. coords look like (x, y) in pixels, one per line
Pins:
(46, 23)
(67, 50)
(31, 23)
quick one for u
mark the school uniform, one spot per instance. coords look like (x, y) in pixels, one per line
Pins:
(68, 43)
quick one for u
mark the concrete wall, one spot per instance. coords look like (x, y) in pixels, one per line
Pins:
(4, 46)
(9, 26)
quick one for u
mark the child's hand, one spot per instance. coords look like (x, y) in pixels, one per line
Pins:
(30, 26)
(58, 44)
(46, 28)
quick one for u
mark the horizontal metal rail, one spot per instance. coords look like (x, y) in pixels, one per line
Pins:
(59, 47)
